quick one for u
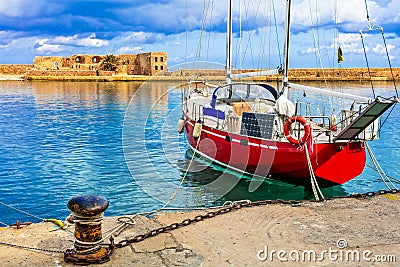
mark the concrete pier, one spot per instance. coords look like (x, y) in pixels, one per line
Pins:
(348, 232)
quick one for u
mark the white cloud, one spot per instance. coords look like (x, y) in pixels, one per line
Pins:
(380, 49)
(138, 37)
(162, 26)
(65, 43)
(74, 40)
(144, 37)
(129, 50)
(351, 43)
(28, 8)
(9, 45)
(310, 50)
(60, 43)
(49, 49)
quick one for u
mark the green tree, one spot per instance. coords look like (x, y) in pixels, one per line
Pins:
(109, 63)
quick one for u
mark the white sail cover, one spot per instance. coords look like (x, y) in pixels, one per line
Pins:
(284, 106)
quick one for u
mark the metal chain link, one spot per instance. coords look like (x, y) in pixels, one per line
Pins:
(32, 248)
(68, 256)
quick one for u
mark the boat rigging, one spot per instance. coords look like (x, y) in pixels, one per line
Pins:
(267, 131)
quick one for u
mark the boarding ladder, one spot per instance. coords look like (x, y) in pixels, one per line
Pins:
(372, 112)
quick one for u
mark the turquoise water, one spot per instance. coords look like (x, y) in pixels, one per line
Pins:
(62, 139)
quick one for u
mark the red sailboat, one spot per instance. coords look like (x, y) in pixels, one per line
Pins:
(254, 128)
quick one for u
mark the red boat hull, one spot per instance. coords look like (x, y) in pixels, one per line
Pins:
(334, 163)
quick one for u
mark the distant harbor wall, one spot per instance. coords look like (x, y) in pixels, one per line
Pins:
(344, 74)
(63, 73)
(14, 69)
(28, 72)
(334, 74)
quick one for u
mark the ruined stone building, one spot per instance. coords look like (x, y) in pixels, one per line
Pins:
(128, 64)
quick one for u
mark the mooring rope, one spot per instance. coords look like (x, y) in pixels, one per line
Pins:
(178, 187)
(391, 177)
(21, 211)
(123, 224)
(379, 169)
(183, 178)
(54, 221)
(314, 184)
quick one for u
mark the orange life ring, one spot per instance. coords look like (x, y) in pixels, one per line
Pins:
(307, 130)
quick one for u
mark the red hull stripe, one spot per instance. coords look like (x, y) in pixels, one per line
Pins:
(235, 140)
(335, 162)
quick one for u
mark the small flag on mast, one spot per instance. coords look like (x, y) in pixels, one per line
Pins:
(340, 55)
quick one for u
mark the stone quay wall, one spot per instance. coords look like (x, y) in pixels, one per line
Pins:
(140, 65)
(63, 73)
(14, 69)
(345, 74)
(334, 74)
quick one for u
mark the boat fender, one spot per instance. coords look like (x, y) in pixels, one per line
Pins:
(181, 125)
(197, 129)
(307, 130)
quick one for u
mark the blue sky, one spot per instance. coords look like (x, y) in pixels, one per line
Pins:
(59, 27)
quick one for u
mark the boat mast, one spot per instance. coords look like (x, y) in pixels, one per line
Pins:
(228, 66)
(286, 49)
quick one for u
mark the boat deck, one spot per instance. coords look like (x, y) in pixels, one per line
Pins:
(231, 114)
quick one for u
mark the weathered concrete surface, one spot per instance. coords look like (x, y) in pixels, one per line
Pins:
(368, 226)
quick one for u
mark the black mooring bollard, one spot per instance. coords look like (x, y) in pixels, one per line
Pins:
(87, 212)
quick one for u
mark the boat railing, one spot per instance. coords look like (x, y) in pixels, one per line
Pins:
(197, 112)
(210, 116)
(324, 127)
(321, 128)
(233, 123)
(369, 133)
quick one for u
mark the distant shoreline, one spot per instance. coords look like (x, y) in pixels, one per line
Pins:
(333, 74)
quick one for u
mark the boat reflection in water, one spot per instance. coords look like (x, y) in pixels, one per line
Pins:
(226, 185)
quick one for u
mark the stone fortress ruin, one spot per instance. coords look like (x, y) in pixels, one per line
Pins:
(148, 64)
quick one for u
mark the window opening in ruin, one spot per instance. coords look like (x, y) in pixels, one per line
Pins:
(156, 68)
(155, 59)
(162, 59)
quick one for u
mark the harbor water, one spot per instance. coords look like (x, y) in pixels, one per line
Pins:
(120, 140)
